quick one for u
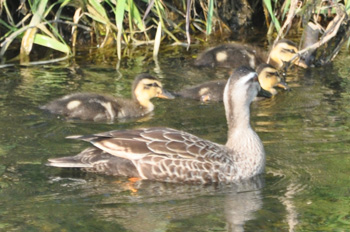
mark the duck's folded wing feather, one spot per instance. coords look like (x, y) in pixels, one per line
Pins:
(164, 142)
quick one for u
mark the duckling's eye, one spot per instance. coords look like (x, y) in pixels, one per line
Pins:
(154, 84)
(289, 50)
(271, 74)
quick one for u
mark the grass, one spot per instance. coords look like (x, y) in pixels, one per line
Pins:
(61, 25)
(64, 25)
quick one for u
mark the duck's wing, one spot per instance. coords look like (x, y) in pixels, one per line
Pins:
(139, 143)
(164, 154)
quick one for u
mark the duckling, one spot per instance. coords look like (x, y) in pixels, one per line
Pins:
(169, 155)
(234, 55)
(213, 90)
(98, 107)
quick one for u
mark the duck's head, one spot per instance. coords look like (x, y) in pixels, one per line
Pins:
(146, 87)
(269, 78)
(285, 52)
(241, 88)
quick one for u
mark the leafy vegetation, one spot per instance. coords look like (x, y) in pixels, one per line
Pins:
(124, 22)
(64, 25)
(325, 24)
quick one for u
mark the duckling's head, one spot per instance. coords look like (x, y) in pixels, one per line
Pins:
(269, 78)
(146, 87)
(241, 88)
(285, 51)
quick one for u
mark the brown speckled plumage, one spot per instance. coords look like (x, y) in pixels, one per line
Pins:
(165, 154)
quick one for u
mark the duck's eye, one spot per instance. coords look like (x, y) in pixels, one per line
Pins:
(154, 84)
(271, 74)
(289, 50)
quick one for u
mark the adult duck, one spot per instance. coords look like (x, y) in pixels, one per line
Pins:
(99, 107)
(269, 78)
(234, 55)
(170, 155)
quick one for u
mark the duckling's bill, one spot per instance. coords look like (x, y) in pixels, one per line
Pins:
(301, 63)
(165, 94)
(296, 61)
(283, 85)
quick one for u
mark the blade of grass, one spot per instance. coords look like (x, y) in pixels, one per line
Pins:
(150, 5)
(98, 13)
(160, 9)
(95, 15)
(347, 6)
(188, 23)
(10, 28)
(6, 43)
(57, 35)
(131, 27)
(135, 15)
(8, 14)
(76, 18)
(99, 8)
(28, 38)
(275, 21)
(157, 39)
(49, 42)
(60, 9)
(210, 17)
(119, 17)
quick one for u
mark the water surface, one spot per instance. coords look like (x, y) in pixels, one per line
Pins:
(305, 132)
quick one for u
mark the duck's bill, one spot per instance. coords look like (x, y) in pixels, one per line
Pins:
(297, 61)
(301, 63)
(283, 85)
(264, 93)
(166, 95)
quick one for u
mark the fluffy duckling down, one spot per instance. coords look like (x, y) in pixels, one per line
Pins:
(99, 107)
(269, 78)
(234, 55)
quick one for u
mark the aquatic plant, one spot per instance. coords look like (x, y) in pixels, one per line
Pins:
(64, 25)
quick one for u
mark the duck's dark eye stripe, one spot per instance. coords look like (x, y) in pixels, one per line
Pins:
(272, 74)
(154, 84)
(289, 50)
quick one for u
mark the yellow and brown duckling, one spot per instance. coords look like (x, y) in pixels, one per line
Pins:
(98, 107)
(165, 154)
(269, 78)
(234, 55)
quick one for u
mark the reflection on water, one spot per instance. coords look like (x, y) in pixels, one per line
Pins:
(154, 206)
(305, 132)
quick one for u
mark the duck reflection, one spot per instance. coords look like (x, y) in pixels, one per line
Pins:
(156, 206)
(241, 206)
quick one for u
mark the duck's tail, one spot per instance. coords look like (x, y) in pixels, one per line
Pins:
(95, 160)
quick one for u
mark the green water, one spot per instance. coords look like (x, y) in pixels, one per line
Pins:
(305, 132)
